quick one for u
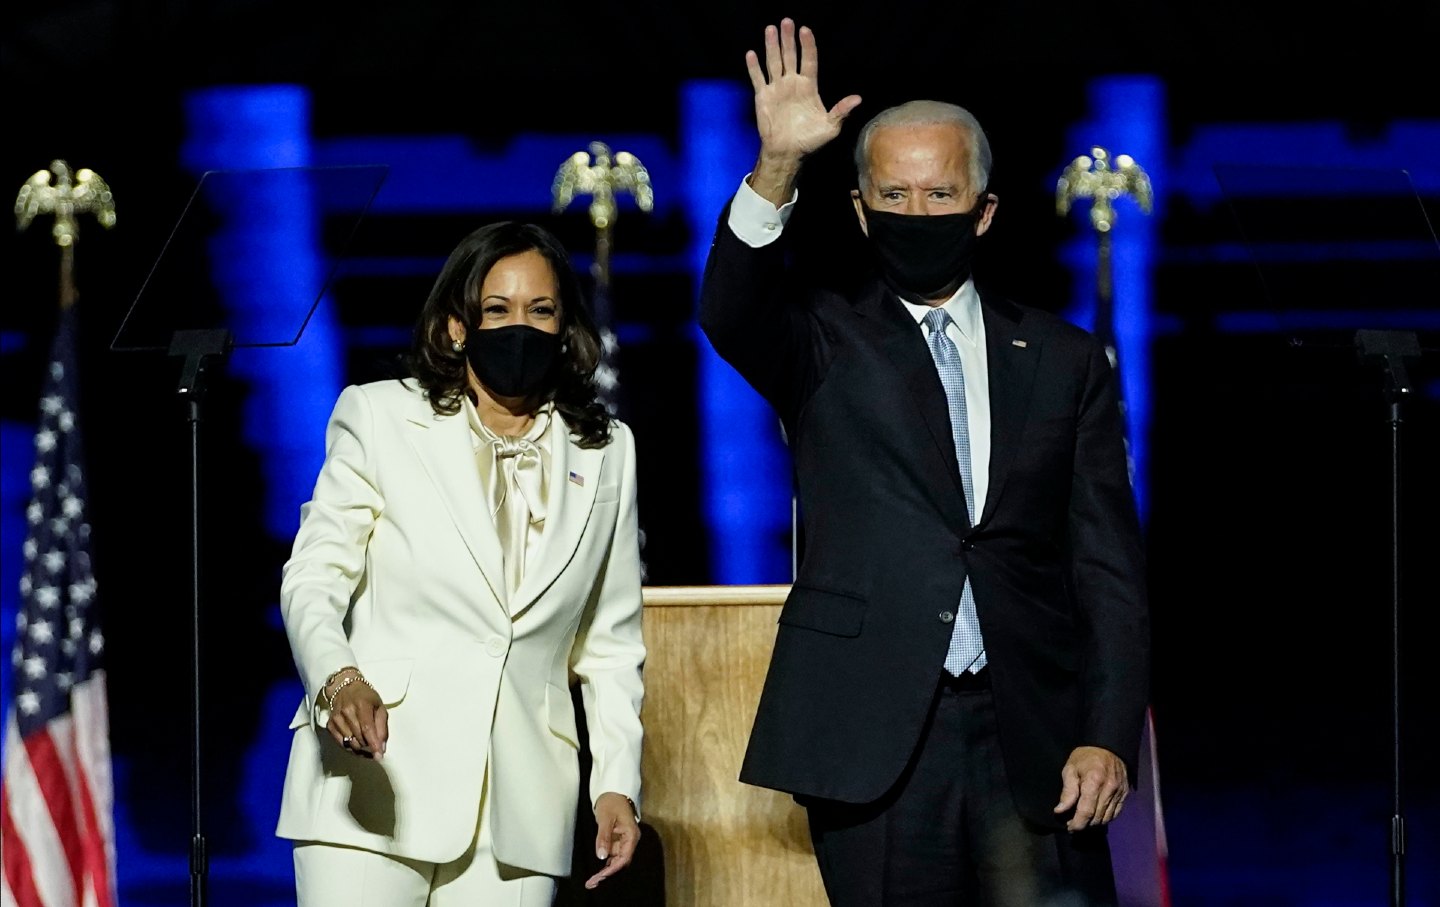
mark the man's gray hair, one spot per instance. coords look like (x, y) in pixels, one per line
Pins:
(928, 113)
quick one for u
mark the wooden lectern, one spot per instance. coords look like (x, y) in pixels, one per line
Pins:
(725, 844)
(709, 840)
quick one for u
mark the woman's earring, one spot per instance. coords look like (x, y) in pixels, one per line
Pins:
(457, 345)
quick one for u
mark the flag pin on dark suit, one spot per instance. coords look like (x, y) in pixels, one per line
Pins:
(577, 478)
(1020, 343)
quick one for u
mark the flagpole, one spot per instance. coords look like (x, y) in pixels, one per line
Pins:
(600, 174)
(65, 193)
(1102, 180)
(1094, 177)
(56, 849)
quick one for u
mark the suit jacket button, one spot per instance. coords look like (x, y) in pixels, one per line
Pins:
(966, 545)
(494, 647)
(947, 617)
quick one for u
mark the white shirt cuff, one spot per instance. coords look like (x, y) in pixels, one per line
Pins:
(754, 220)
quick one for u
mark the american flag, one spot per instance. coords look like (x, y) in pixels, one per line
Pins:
(57, 838)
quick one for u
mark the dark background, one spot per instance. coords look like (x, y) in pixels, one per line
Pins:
(1269, 527)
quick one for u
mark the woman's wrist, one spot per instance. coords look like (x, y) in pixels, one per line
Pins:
(631, 803)
(336, 682)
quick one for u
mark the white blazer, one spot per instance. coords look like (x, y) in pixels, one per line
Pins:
(397, 569)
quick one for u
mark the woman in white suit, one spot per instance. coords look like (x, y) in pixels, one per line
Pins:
(471, 548)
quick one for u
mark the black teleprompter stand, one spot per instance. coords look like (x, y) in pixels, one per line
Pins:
(1393, 352)
(200, 352)
(192, 308)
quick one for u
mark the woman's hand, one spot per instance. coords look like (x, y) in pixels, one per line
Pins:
(619, 833)
(358, 720)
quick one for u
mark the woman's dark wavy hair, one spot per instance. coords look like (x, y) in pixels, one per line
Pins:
(440, 370)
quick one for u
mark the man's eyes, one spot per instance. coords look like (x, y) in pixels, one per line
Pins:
(894, 195)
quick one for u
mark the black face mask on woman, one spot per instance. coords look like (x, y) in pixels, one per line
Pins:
(923, 255)
(512, 361)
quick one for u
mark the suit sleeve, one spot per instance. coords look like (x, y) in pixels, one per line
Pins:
(1108, 571)
(609, 651)
(328, 555)
(752, 319)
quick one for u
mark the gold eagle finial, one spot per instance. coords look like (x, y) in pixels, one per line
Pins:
(64, 196)
(1091, 176)
(599, 174)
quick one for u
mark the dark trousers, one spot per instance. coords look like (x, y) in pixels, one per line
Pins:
(948, 835)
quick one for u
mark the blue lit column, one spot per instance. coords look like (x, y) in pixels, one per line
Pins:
(744, 464)
(267, 249)
(1127, 116)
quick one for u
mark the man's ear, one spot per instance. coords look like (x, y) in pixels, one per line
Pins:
(991, 202)
(859, 211)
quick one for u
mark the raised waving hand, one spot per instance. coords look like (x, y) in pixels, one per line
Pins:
(792, 120)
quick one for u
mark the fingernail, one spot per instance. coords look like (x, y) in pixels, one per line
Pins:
(601, 854)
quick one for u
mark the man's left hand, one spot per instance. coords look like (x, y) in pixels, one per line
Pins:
(1094, 784)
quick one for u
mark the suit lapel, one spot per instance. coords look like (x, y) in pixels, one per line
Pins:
(445, 449)
(903, 343)
(1013, 359)
(574, 478)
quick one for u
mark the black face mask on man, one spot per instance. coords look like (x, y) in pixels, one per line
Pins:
(923, 255)
(512, 361)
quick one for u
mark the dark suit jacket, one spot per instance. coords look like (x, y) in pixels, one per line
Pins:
(1055, 559)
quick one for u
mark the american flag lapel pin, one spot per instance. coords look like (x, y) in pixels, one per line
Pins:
(577, 478)
(1020, 343)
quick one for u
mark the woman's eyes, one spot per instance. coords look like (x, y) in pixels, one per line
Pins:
(500, 310)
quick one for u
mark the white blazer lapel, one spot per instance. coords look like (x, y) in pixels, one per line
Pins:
(445, 449)
(574, 476)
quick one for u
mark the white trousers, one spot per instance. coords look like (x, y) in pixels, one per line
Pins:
(329, 875)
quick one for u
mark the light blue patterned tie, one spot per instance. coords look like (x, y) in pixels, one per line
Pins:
(967, 649)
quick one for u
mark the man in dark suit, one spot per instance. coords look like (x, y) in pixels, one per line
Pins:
(960, 673)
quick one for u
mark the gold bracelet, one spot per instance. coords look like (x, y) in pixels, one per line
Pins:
(357, 677)
(325, 697)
